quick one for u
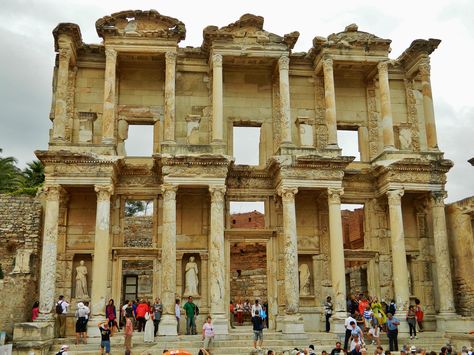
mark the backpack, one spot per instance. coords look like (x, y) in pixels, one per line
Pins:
(196, 310)
(59, 308)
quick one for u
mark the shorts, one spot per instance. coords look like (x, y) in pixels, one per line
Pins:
(208, 342)
(105, 344)
(258, 335)
(81, 325)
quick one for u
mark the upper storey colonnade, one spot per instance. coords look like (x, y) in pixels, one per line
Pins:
(333, 64)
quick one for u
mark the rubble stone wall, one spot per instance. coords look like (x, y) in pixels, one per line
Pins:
(138, 231)
(20, 229)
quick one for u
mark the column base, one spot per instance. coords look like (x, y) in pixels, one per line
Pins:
(92, 326)
(451, 322)
(168, 325)
(337, 323)
(292, 324)
(33, 337)
(221, 324)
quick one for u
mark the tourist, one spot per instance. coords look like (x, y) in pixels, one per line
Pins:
(111, 315)
(419, 314)
(239, 308)
(128, 332)
(88, 312)
(348, 327)
(378, 311)
(363, 303)
(356, 330)
(61, 311)
(190, 312)
(311, 350)
(177, 313)
(359, 319)
(208, 333)
(328, 307)
(257, 323)
(411, 319)
(265, 308)
(158, 309)
(64, 350)
(270, 352)
(35, 311)
(374, 330)
(337, 349)
(367, 317)
(232, 314)
(247, 309)
(357, 350)
(392, 307)
(148, 336)
(392, 331)
(104, 337)
(356, 342)
(256, 309)
(81, 323)
(378, 350)
(352, 304)
(203, 351)
(141, 310)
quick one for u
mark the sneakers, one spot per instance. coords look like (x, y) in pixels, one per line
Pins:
(411, 338)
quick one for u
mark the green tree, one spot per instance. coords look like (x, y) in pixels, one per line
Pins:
(133, 207)
(32, 179)
(10, 175)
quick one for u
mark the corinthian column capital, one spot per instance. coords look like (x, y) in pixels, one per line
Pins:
(104, 192)
(169, 191)
(217, 60)
(65, 54)
(284, 62)
(170, 58)
(287, 193)
(395, 196)
(217, 192)
(52, 192)
(111, 54)
(424, 67)
(327, 62)
(334, 194)
(437, 198)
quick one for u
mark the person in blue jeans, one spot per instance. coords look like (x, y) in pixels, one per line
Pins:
(392, 332)
(104, 337)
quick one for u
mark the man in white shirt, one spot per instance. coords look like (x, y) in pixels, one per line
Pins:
(256, 309)
(62, 316)
(177, 312)
(347, 325)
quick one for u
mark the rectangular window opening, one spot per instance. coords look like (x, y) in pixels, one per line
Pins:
(246, 145)
(140, 141)
(348, 141)
(247, 214)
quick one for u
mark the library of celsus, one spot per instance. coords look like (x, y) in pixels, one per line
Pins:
(160, 225)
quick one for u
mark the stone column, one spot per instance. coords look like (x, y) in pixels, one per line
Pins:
(60, 96)
(284, 77)
(443, 267)
(386, 107)
(428, 109)
(49, 253)
(292, 322)
(108, 113)
(168, 261)
(100, 264)
(336, 245)
(399, 260)
(217, 99)
(216, 274)
(330, 100)
(169, 107)
(204, 276)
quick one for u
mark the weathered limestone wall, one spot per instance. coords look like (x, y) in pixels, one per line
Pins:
(81, 220)
(20, 231)
(138, 231)
(459, 219)
(351, 100)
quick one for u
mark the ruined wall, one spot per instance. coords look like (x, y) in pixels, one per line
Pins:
(254, 220)
(138, 231)
(20, 235)
(353, 228)
(460, 222)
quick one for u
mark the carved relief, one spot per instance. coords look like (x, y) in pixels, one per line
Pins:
(374, 118)
(321, 130)
(412, 114)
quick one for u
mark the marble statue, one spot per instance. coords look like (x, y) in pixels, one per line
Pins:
(305, 279)
(81, 281)
(192, 279)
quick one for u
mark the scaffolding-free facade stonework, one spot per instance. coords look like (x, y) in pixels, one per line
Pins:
(192, 98)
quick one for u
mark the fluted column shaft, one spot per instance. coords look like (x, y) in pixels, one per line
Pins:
(168, 261)
(428, 109)
(217, 99)
(60, 96)
(284, 80)
(399, 260)
(338, 275)
(443, 267)
(108, 113)
(101, 251)
(291, 248)
(169, 107)
(330, 100)
(49, 253)
(386, 107)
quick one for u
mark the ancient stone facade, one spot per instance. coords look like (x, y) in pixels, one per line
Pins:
(20, 241)
(191, 98)
(252, 220)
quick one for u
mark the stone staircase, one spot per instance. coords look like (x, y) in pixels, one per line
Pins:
(240, 341)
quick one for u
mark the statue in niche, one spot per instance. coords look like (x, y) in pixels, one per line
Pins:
(305, 280)
(81, 281)
(192, 279)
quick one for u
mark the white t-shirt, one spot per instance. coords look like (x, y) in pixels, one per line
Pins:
(256, 310)
(353, 345)
(348, 321)
(177, 310)
(208, 330)
(64, 305)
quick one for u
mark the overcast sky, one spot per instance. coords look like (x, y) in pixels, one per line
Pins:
(27, 56)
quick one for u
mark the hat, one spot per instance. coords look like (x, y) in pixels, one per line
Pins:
(80, 305)
(413, 349)
(65, 347)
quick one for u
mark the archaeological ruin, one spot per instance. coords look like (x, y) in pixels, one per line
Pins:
(127, 227)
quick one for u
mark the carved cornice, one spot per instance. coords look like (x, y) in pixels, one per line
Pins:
(142, 24)
(66, 157)
(70, 29)
(249, 27)
(419, 47)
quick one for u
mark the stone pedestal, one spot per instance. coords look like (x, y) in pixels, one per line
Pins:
(34, 337)
(168, 325)
(292, 324)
